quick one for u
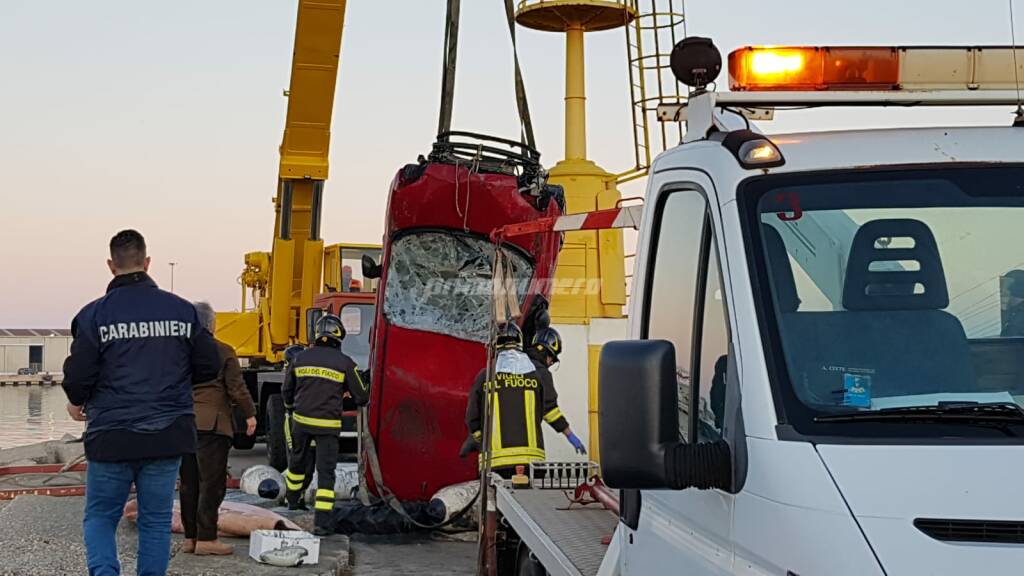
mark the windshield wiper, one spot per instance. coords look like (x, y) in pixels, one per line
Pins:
(999, 414)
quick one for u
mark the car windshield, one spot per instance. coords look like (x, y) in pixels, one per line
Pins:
(892, 289)
(441, 282)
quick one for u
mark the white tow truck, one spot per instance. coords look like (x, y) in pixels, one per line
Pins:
(826, 366)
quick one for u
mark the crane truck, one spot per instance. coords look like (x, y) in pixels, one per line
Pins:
(300, 277)
(823, 373)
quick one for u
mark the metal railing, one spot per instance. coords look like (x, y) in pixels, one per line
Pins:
(659, 25)
(530, 3)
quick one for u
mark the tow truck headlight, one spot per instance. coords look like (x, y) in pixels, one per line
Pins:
(759, 152)
(753, 150)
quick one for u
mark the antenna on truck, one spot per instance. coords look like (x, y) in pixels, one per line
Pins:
(1018, 119)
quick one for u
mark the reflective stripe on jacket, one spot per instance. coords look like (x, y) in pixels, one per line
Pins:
(523, 396)
(316, 383)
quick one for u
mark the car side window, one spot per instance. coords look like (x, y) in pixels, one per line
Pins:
(672, 283)
(714, 352)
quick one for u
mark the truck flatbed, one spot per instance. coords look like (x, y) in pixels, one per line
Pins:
(567, 541)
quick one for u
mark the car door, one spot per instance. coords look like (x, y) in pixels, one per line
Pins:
(689, 531)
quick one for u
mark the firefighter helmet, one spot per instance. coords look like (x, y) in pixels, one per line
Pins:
(330, 330)
(291, 352)
(509, 336)
(549, 341)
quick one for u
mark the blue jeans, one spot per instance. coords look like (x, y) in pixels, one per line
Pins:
(107, 487)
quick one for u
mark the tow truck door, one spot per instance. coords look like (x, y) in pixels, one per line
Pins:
(685, 304)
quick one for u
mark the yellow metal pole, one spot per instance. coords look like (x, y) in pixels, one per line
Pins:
(575, 95)
(281, 293)
(591, 261)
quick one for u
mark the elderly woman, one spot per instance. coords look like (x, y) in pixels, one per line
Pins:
(203, 474)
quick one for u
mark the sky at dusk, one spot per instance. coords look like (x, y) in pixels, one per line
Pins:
(166, 117)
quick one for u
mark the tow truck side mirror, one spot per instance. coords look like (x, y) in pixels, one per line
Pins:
(637, 410)
(639, 415)
(371, 269)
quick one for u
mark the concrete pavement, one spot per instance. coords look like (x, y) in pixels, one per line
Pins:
(42, 536)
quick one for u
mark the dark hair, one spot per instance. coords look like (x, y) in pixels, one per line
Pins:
(128, 249)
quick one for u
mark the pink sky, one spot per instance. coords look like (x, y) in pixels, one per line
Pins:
(125, 114)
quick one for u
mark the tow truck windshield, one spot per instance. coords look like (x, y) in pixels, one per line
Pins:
(893, 297)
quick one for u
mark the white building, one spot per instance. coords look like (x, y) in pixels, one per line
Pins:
(42, 349)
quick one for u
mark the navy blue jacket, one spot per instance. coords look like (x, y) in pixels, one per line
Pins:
(135, 355)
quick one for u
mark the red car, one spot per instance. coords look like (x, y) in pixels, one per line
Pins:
(434, 303)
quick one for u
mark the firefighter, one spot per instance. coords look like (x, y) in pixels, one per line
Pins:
(313, 389)
(544, 351)
(290, 354)
(523, 396)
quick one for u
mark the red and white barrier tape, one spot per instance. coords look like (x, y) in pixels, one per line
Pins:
(624, 217)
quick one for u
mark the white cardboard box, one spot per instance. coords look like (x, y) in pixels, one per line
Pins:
(281, 547)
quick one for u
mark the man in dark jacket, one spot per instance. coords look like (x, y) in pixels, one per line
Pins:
(204, 474)
(524, 396)
(313, 392)
(135, 355)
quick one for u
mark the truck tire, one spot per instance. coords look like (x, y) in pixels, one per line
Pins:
(277, 448)
(527, 564)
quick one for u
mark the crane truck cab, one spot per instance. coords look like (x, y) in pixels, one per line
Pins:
(825, 369)
(352, 295)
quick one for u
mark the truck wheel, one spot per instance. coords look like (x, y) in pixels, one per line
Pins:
(527, 564)
(277, 448)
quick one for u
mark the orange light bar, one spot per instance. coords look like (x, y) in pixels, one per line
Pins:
(813, 68)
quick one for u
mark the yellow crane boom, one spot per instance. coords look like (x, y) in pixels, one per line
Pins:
(283, 282)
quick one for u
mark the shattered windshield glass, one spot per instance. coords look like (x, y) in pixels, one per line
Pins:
(441, 282)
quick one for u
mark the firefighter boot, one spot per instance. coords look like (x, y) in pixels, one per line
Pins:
(296, 501)
(323, 523)
(294, 483)
(323, 518)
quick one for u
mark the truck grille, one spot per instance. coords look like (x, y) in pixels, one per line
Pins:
(988, 531)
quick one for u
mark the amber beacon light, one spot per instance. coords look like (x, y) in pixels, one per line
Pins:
(801, 68)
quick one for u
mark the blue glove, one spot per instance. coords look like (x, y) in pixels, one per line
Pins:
(576, 443)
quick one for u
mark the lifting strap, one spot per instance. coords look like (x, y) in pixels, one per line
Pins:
(500, 309)
(451, 50)
(526, 124)
(503, 288)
